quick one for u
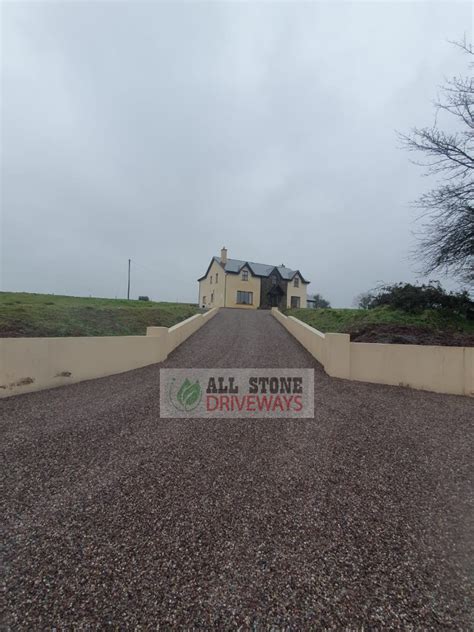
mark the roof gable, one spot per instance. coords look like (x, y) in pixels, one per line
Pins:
(217, 260)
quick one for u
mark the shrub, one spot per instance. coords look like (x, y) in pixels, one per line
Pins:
(417, 298)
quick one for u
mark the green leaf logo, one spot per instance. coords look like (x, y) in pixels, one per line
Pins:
(189, 395)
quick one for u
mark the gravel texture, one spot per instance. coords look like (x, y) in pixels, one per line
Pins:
(116, 518)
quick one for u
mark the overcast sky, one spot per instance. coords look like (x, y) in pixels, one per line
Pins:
(161, 132)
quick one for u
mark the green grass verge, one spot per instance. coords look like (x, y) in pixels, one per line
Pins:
(24, 314)
(347, 320)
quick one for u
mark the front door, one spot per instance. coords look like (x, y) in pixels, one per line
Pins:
(275, 296)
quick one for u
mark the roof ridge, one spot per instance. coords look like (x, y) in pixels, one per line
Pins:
(268, 265)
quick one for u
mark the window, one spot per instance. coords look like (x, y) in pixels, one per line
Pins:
(274, 280)
(245, 298)
(217, 276)
(212, 297)
(295, 302)
(245, 275)
(296, 282)
(203, 301)
(211, 279)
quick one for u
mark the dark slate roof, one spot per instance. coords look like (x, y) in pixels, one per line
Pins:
(234, 266)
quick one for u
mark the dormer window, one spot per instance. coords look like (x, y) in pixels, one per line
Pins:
(274, 280)
(296, 282)
(245, 275)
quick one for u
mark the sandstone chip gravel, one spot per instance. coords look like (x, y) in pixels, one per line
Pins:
(356, 519)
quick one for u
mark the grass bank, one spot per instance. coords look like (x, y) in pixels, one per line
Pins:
(384, 324)
(30, 315)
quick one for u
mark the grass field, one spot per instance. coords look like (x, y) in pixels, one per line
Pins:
(24, 314)
(383, 324)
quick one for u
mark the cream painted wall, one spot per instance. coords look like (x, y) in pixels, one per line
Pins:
(234, 283)
(206, 287)
(431, 368)
(296, 291)
(439, 369)
(34, 364)
(311, 339)
(30, 364)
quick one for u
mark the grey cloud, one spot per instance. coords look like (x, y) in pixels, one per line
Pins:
(161, 132)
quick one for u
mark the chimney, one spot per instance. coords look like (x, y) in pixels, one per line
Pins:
(224, 255)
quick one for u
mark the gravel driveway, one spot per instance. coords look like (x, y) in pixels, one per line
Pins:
(115, 517)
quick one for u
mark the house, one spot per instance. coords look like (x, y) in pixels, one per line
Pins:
(237, 283)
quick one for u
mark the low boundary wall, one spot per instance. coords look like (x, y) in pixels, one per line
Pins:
(431, 368)
(33, 364)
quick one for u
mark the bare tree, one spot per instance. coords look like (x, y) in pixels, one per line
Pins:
(319, 301)
(447, 239)
(362, 301)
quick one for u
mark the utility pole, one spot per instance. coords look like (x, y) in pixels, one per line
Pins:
(128, 287)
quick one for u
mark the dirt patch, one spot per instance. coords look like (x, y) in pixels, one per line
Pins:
(410, 335)
(24, 381)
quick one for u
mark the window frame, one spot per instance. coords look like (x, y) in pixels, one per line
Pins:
(245, 275)
(296, 281)
(247, 295)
